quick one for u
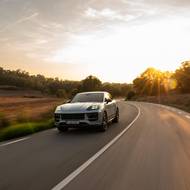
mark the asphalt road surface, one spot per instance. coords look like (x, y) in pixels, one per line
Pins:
(153, 154)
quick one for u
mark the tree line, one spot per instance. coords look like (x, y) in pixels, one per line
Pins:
(61, 88)
(153, 82)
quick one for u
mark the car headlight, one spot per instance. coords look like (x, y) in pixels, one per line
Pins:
(93, 107)
(58, 108)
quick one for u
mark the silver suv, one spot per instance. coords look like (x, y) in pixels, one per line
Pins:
(87, 109)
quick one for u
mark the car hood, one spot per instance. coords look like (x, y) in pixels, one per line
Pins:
(76, 107)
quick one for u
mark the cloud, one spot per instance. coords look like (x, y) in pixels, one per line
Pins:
(20, 21)
(27, 18)
(108, 14)
(82, 32)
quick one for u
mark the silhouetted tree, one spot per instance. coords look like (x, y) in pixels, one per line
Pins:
(152, 82)
(54, 86)
(182, 76)
(91, 83)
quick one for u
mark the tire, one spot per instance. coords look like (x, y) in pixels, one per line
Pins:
(116, 119)
(62, 129)
(104, 125)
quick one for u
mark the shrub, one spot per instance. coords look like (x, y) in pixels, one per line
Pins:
(4, 121)
(21, 117)
(19, 130)
(130, 95)
(61, 93)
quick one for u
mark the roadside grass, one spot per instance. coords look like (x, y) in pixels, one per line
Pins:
(22, 129)
(25, 114)
(4, 121)
(21, 109)
(181, 101)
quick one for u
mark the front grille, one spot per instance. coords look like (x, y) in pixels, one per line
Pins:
(92, 116)
(57, 117)
(73, 116)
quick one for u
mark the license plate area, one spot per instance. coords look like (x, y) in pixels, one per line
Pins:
(72, 122)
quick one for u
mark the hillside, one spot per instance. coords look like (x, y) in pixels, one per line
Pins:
(181, 101)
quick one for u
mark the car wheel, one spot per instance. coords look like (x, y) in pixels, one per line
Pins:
(104, 125)
(62, 129)
(116, 119)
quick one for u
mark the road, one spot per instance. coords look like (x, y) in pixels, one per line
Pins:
(154, 153)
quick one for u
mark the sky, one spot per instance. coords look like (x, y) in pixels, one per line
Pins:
(114, 40)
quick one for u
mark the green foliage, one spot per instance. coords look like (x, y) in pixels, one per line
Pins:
(61, 88)
(74, 91)
(117, 89)
(152, 82)
(23, 80)
(91, 83)
(4, 121)
(23, 129)
(61, 93)
(182, 75)
(130, 95)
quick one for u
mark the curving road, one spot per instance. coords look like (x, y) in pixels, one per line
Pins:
(154, 153)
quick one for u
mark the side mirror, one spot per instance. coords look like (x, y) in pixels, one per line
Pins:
(108, 101)
(68, 101)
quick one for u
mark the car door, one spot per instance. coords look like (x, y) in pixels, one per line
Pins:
(112, 106)
(108, 106)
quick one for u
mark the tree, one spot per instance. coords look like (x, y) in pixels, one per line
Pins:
(182, 76)
(61, 93)
(91, 83)
(152, 82)
(53, 86)
(130, 95)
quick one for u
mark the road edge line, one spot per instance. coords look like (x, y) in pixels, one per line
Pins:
(81, 168)
(15, 141)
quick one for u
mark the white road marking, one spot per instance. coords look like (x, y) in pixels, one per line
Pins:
(174, 110)
(12, 142)
(75, 173)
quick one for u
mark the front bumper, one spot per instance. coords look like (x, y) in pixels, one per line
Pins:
(90, 119)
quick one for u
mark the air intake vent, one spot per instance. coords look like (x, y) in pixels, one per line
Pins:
(73, 116)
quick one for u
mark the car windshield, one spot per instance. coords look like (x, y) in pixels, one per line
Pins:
(88, 97)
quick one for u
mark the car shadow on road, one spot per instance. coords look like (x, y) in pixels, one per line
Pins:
(86, 131)
(80, 131)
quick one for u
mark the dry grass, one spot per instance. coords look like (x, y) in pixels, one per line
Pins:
(21, 108)
(25, 113)
(31, 108)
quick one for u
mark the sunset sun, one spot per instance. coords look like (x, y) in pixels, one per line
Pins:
(128, 37)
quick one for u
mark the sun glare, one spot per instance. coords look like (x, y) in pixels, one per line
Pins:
(127, 50)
